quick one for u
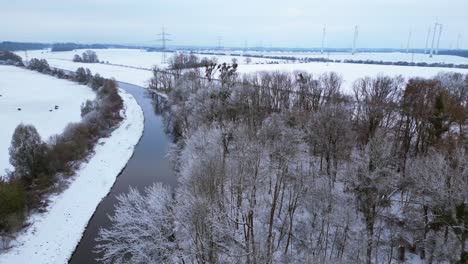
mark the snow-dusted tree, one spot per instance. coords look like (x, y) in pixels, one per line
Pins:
(90, 56)
(142, 230)
(284, 144)
(77, 58)
(202, 224)
(440, 194)
(331, 136)
(27, 152)
(80, 75)
(372, 178)
(377, 99)
(89, 106)
(330, 84)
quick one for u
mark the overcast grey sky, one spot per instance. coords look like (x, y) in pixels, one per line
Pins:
(291, 23)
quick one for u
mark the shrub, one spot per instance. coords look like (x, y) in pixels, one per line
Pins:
(10, 58)
(12, 205)
(80, 75)
(77, 58)
(88, 106)
(39, 65)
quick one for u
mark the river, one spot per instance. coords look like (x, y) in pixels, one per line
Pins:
(147, 165)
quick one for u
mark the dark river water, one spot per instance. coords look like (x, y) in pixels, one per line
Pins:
(147, 165)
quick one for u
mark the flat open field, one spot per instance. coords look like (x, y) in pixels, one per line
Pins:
(37, 95)
(136, 58)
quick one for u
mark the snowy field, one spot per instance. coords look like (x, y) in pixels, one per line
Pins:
(37, 95)
(375, 56)
(349, 72)
(131, 57)
(53, 236)
(123, 74)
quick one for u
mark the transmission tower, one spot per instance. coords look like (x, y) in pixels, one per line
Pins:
(163, 39)
(427, 40)
(26, 59)
(220, 39)
(356, 34)
(324, 34)
(436, 26)
(409, 42)
(459, 38)
(438, 40)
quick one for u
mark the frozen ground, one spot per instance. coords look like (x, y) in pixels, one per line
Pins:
(350, 72)
(130, 57)
(37, 95)
(375, 56)
(123, 74)
(53, 236)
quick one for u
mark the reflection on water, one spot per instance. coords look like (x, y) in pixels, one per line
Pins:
(159, 103)
(148, 164)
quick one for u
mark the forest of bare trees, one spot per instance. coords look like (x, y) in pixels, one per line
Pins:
(278, 167)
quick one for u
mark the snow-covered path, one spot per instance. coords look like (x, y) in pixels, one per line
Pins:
(53, 235)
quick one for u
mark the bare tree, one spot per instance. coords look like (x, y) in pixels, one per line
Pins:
(372, 177)
(142, 230)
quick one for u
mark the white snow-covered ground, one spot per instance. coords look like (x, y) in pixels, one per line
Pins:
(350, 72)
(132, 57)
(375, 56)
(124, 74)
(36, 94)
(53, 235)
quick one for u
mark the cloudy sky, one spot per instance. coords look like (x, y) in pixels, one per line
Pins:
(277, 23)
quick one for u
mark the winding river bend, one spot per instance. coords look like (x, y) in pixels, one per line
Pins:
(147, 165)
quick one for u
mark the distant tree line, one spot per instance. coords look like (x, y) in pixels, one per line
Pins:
(406, 63)
(88, 56)
(278, 167)
(461, 53)
(15, 46)
(74, 46)
(40, 167)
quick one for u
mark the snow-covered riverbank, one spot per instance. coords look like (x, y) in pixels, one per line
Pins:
(53, 235)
